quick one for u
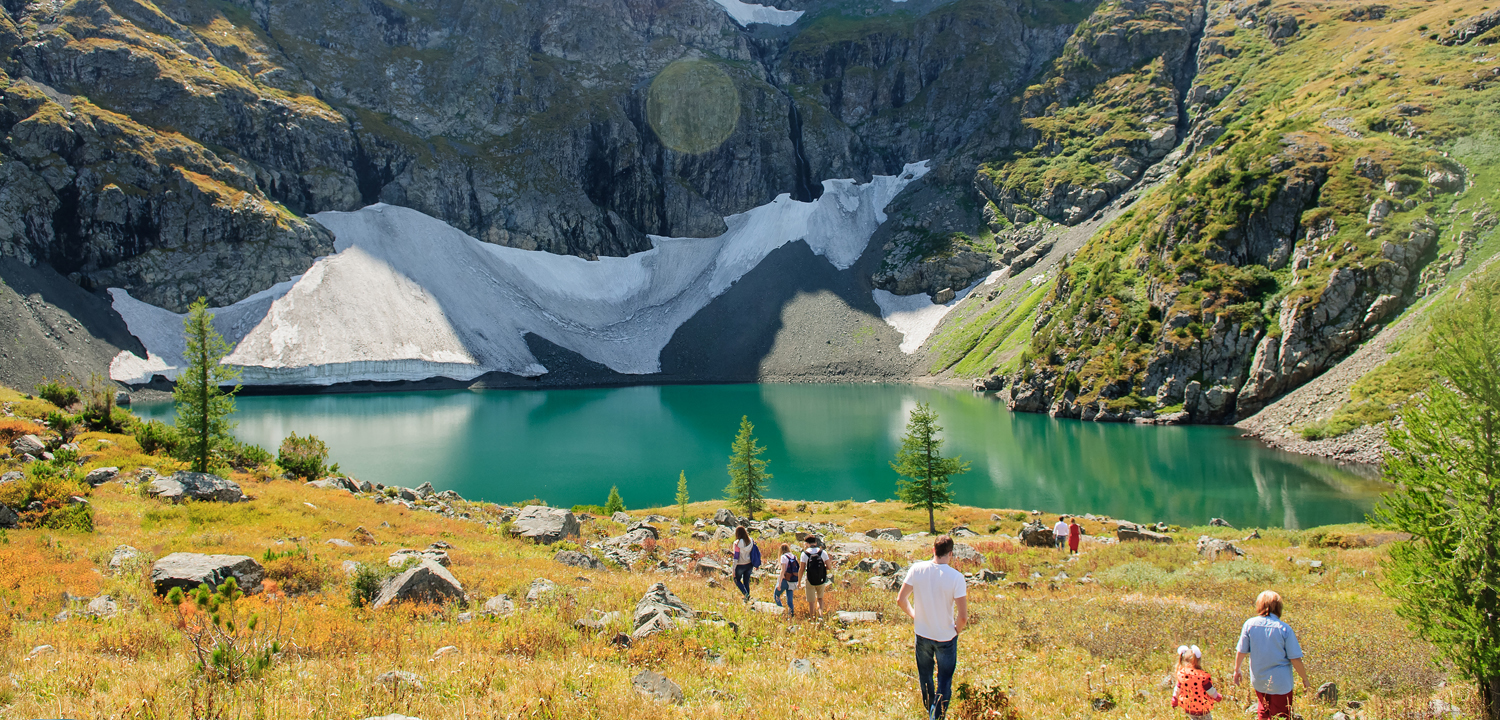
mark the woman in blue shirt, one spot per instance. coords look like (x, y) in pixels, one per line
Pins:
(1274, 653)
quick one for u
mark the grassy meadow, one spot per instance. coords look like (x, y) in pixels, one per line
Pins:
(1090, 636)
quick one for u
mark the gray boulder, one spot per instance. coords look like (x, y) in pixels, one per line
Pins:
(621, 518)
(1035, 534)
(195, 486)
(884, 582)
(848, 617)
(545, 525)
(99, 476)
(876, 566)
(427, 583)
(499, 606)
(101, 607)
(425, 489)
(8, 517)
(395, 678)
(541, 589)
(28, 445)
(597, 620)
(726, 518)
(658, 610)
(335, 483)
(966, 552)
(11, 476)
(1220, 522)
(962, 531)
(405, 555)
(876, 533)
(1130, 532)
(1211, 548)
(123, 556)
(578, 560)
(189, 570)
(656, 685)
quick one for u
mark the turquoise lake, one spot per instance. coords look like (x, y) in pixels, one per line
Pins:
(825, 442)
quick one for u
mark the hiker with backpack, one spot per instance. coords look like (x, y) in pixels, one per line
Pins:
(790, 568)
(814, 575)
(940, 613)
(746, 558)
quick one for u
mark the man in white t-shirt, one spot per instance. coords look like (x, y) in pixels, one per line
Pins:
(1060, 534)
(938, 590)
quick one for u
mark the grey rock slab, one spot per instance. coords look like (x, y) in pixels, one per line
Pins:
(122, 555)
(340, 542)
(400, 677)
(405, 555)
(11, 476)
(540, 589)
(726, 518)
(762, 606)
(28, 445)
(655, 685)
(659, 601)
(966, 552)
(99, 476)
(848, 617)
(1212, 548)
(103, 606)
(8, 517)
(881, 582)
(499, 606)
(1130, 532)
(621, 518)
(876, 533)
(428, 582)
(195, 486)
(545, 525)
(577, 559)
(800, 666)
(189, 570)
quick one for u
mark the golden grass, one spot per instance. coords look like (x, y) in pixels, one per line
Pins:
(1057, 649)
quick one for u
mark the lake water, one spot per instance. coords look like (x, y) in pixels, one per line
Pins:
(825, 442)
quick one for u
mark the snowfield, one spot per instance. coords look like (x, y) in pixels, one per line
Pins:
(408, 297)
(745, 13)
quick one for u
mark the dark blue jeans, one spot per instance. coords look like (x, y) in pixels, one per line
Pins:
(784, 586)
(742, 579)
(945, 656)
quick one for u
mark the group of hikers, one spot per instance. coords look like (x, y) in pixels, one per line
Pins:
(934, 595)
(1067, 532)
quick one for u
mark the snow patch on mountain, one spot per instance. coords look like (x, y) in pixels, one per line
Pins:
(745, 13)
(408, 297)
(916, 316)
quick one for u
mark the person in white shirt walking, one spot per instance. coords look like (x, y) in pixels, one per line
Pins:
(940, 613)
(814, 575)
(1060, 533)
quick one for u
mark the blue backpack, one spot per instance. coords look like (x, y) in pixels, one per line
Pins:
(754, 555)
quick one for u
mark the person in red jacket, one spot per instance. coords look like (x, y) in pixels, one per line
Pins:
(1195, 693)
(1075, 535)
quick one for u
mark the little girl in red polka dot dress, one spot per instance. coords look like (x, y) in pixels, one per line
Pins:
(1195, 693)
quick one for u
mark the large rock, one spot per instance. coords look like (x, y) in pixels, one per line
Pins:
(967, 553)
(1130, 532)
(195, 486)
(578, 560)
(656, 685)
(99, 476)
(726, 518)
(876, 566)
(658, 610)
(123, 556)
(1212, 548)
(499, 606)
(876, 533)
(405, 555)
(8, 517)
(545, 525)
(427, 583)
(1035, 534)
(28, 445)
(621, 518)
(189, 570)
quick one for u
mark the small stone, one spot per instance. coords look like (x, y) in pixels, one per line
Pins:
(202, 487)
(40, 650)
(122, 555)
(99, 476)
(1329, 693)
(443, 652)
(541, 589)
(1220, 522)
(762, 606)
(363, 536)
(396, 678)
(577, 559)
(800, 667)
(340, 542)
(28, 445)
(851, 617)
(498, 606)
(102, 607)
(656, 685)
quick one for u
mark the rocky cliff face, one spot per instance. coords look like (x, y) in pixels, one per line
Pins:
(176, 148)
(1285, 229)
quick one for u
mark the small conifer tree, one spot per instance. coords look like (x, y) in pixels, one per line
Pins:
(614, 504)
(203, 407)
(682, 495)
(1445, 463)
(920, 460)
(747, 472)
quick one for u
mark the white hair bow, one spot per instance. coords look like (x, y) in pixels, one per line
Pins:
(1194, 648)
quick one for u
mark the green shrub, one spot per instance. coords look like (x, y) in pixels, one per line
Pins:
(364, 587)
(156, 437)
(296, 572)
(58, 394)
(614, 504)
(303, 457)
(69, 518)
(63, 424)
(597, 510)
(50, 489)
(245, 456)
(99, 407)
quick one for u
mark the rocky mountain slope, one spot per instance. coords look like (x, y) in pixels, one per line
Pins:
(1336, 163)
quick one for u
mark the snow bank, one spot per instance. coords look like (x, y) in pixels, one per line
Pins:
(745, 13)
(408, 297)
(916, 316)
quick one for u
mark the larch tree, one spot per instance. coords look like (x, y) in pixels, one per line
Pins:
(1445, 463)
(203, 406)
(682, 495)
(747, 472)
(925, 484)
(614, 504)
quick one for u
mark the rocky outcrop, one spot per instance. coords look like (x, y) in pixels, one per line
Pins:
(428, 582)
(202, 487)
(1036, 534)
(657, 611)
(1130, 532)
(545, 525)
(190, 570)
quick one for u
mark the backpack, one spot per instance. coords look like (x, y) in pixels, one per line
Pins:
(754, 555)
(793, 567)
(817, 568)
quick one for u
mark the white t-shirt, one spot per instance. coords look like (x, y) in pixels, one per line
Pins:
(934, 588)
(1060, 530)
(744, 548)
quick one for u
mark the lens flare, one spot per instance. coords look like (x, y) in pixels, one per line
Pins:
(693, 106)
